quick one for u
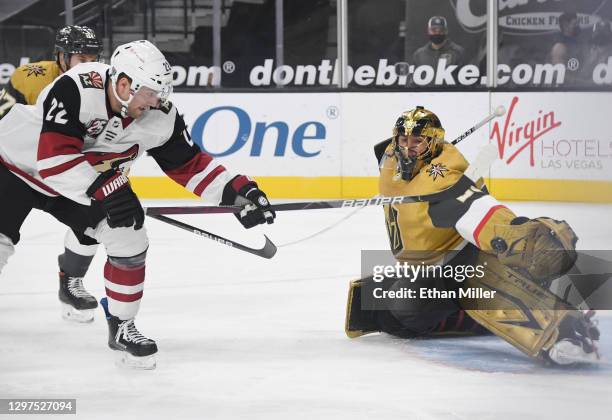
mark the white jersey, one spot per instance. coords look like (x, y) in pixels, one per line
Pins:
(60, 145)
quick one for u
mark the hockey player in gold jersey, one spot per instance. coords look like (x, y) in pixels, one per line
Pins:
(73, 45)
(519, 257)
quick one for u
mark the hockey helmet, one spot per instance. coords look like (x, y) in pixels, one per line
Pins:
(418, 122)
(147, 68)
(74, 39)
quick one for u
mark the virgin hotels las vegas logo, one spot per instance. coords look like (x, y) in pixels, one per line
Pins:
(519, 137)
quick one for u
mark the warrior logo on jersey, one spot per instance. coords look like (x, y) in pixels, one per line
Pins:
(103, 162)
(91, 80)
(95, 127)
(437, 170)
(34, 70)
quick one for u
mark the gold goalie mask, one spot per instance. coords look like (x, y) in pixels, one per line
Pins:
(422, 123)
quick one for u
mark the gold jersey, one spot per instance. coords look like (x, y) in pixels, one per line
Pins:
(418, 232)
(26, 83)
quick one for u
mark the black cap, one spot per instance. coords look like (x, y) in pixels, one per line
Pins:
(437, 22)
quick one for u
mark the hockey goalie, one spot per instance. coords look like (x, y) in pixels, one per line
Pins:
(519, 256)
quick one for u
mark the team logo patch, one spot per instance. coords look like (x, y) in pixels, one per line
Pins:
(102, 161)
(95, 127)
(34, 70)
(91, 80)
(437, 170)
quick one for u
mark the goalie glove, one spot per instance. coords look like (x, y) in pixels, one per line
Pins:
(543, 247)
(113, 192)
(243, 191)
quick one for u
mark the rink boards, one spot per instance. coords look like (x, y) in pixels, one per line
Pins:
(552, 146)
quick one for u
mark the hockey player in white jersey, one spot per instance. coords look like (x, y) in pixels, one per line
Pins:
(75, 147)
(73, 45)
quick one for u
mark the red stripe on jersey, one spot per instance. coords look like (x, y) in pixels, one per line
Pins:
(240, 181)
(122, 297)
(124, 276)
(126, 121)
(29, 177)
(53, 144)
(208, 179)
(55, 170)
(194, 166)
(484, 222)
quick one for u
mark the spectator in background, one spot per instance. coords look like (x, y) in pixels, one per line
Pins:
(601, 46)
(439, 47)
(568, 50)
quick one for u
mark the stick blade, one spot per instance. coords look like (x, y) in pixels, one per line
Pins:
(268, 250)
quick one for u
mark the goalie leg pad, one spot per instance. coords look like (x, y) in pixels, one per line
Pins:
(358, 322)
(521, 312)
(405, 318)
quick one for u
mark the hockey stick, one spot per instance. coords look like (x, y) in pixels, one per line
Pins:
(268, 250)
(498, 112)
(474, 171)
(452, 192)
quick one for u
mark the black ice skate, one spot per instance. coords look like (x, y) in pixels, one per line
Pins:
(77, 304)
(136, 350)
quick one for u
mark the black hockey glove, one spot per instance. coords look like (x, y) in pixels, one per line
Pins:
(243, 191)
(113, 191)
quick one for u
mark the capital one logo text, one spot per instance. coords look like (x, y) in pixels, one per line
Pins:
(305, 140)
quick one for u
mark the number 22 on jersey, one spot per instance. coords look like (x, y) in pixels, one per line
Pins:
(60, 112)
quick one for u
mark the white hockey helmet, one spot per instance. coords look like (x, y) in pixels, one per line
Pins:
(142, 62)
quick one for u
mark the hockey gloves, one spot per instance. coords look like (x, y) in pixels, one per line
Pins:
(113, 192)
(243, 191)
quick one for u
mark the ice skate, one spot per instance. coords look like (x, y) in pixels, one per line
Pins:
(134, 349)
(77, 303)
(578, 343)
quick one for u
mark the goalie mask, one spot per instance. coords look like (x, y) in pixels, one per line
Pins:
(422, 124)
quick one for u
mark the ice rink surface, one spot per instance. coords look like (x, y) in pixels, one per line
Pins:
(244, 337)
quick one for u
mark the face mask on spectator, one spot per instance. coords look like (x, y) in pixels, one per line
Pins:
(437, 38)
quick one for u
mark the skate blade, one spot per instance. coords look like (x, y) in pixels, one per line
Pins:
(75, 315)
(126, 360)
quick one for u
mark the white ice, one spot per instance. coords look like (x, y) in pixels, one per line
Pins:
(244, 337)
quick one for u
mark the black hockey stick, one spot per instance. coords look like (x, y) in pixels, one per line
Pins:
(268, 250)
(452, 192)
